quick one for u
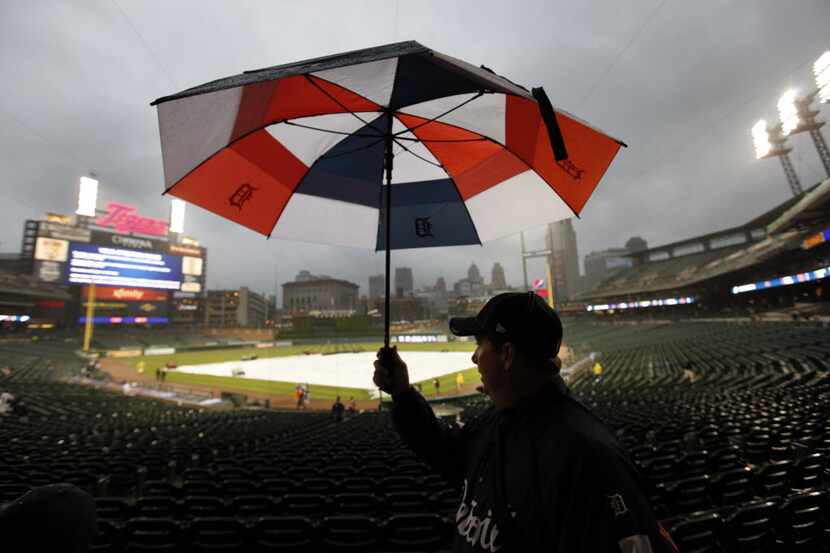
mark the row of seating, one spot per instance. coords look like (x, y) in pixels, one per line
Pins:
(312, 505)
(286, 534)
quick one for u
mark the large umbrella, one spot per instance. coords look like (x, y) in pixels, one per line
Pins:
(306, 151)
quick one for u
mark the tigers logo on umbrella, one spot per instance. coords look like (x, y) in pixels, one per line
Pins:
(242, 195)
(423, 228)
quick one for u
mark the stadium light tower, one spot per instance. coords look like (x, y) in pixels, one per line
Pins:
(772, 143)
(821, 69)
(797, 116)
(87, 196)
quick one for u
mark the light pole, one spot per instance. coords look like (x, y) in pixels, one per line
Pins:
(772, 143)
(540, 253)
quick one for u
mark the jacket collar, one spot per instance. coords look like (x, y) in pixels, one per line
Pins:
(550, 393)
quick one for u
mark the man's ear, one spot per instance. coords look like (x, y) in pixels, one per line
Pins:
(508, 355)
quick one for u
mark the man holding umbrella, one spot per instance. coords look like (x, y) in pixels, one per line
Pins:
(539, 471)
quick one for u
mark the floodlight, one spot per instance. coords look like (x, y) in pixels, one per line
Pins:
(87, 197)
(788, 112)
(177, 216)
(760, 138)
(821, 69)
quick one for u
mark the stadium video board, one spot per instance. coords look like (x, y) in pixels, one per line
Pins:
(110, 266)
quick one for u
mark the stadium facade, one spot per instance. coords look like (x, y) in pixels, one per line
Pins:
(775, 261)
(143, 274)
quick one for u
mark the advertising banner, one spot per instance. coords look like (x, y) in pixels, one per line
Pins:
(159, 351)
(119, 353)
(126, 294)
(65, 232)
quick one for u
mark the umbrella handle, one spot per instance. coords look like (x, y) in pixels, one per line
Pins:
(386, 357)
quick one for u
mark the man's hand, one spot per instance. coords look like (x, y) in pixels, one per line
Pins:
(392, 376)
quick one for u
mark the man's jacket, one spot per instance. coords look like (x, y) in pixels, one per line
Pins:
(547, 476)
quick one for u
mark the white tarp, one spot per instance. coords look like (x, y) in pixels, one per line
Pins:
(352, 370)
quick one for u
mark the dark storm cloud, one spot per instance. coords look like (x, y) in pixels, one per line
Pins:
(681, 82)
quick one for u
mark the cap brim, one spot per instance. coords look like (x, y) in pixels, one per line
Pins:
(465, 326)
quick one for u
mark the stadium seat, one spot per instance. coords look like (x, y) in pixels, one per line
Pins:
(145, 535)
(10, 492)
(200, 487)
(230, 488)
(356, 504)
(203, 506)
(217, 534)
(398, 483)
(687, 495)
(155, 507)
(751, 528)
(349, 534)
(323, 486)
(358, 485)
(808, 472)
(254, 506)
(800, 521)
(338, 472)
(773, 479)
(305, 504)
(284, 534)
(733, 486)
(446, 502)
(415, 532)
(400, 502)
(112, 508)
(699, 534)
(277, 487)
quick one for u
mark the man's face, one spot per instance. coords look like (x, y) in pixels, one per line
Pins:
(490, 362)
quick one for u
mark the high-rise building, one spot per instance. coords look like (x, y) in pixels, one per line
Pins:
(564, 259)
(236, 308)
(441, 285)
(404, 283)
(497, 280)
(472, 286)
(474, 275)
(377, 286)
(320, 293)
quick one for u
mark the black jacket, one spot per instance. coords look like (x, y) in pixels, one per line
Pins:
(545, 476)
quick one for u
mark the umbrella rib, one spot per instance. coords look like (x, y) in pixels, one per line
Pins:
(313, 128)
(422, 158)
(364, 147)
(462, 104)
(439, 140)
(339, 103)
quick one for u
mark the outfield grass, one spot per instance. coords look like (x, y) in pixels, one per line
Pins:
(267, 387)
(448, 382)
(248, 385)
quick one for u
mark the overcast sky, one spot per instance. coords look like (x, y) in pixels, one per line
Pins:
(681, 82)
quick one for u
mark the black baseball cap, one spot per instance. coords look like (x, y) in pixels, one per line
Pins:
(522, 318)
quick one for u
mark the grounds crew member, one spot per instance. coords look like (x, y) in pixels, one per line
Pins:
(538, 470)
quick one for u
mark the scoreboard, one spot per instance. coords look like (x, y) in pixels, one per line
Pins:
(139, 279)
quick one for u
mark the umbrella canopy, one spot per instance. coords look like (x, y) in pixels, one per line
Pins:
(297, 151)
(392, 147)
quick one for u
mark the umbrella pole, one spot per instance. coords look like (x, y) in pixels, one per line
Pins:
(387, 165)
